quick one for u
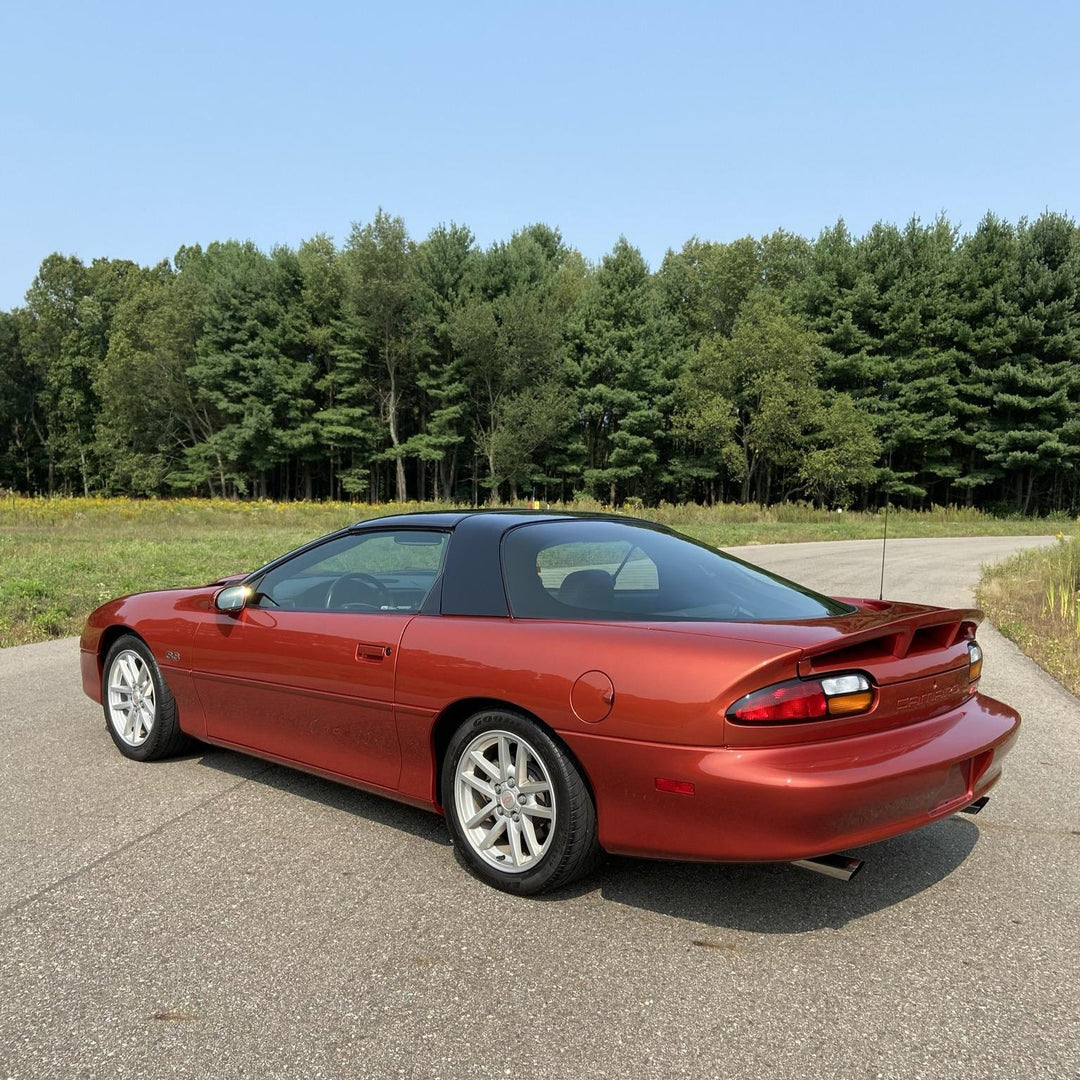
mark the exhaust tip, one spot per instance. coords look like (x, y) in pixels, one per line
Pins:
(842, 867)
(976, 806)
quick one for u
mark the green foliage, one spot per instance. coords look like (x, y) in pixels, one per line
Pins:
(911, 364)
(381, 308)
(752, 398)
(245, 379)
(446, 263)
(146, 415)
(623, 370)
(509, 334)
(842, 454)
(23, 453)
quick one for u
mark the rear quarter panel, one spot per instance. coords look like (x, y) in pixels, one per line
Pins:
(668, 688)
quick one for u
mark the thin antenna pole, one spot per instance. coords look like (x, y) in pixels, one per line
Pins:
(884, 537)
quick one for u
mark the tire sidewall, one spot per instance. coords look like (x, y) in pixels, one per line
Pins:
(556, 761)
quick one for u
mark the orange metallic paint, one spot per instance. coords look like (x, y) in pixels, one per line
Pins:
(308, 689)
(313, 687)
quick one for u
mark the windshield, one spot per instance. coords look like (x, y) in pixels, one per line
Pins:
(608, 570)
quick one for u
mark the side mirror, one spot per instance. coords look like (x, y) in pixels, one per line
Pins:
(233, 599)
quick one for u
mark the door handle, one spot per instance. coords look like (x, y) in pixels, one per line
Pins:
(372, 654)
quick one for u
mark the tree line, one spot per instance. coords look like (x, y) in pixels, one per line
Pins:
(909, 363)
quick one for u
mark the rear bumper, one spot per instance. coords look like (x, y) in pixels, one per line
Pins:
(780, 803)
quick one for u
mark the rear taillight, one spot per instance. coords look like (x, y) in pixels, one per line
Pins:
(975, 659)
(848, 694)
(805, 699)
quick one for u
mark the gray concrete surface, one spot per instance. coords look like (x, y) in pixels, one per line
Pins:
(215, 917)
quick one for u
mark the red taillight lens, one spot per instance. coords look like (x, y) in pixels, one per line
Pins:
(794, 700)
(810, 699)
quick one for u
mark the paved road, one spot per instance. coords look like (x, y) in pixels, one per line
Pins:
(213, 917)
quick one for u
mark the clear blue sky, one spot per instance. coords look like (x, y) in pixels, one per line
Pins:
(128, 129)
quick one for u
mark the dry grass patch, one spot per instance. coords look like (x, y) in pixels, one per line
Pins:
(1034, 599)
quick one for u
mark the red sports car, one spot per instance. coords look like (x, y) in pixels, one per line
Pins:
(560, 685)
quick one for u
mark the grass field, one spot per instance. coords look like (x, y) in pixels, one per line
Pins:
(60, 558)
(1033, 599)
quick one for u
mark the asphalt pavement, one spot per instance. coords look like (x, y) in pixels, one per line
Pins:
(215, 917)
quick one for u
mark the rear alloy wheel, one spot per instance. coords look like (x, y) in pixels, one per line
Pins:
(140, 712)
(517, 806)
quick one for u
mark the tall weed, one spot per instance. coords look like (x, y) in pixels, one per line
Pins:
(1034, 599)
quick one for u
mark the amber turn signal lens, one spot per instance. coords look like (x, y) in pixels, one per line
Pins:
(847, 704)
(975, 661)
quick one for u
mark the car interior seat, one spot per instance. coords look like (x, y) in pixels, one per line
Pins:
(593, 589)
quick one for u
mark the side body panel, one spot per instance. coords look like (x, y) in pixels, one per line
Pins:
(311, 687)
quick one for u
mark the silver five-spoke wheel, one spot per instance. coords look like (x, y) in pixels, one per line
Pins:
(131, 701)
(505, 801)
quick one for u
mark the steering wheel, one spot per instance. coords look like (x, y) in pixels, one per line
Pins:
(338, 597)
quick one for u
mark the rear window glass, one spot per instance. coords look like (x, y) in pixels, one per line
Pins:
(607, 570)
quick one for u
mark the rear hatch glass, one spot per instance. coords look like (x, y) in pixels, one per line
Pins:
(610, 570)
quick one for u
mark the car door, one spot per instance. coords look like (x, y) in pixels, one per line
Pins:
(305, 671)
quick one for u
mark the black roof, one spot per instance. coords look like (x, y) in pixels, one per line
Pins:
(471, 582)
(507, 518)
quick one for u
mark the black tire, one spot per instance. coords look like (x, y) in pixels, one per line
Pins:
(551, 813)
(140, 711)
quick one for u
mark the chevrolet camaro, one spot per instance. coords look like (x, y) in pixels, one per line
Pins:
(561, 685)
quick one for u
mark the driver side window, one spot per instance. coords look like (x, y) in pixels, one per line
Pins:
(363, 572)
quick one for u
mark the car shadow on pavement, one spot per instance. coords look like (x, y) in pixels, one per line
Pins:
(337, 796)
(763, 898)
(777, 898)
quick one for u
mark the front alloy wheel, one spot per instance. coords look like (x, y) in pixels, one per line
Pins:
(516, 804)
(140, 711)
(131, 704)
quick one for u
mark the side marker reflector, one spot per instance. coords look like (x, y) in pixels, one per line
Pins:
(676, 787)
